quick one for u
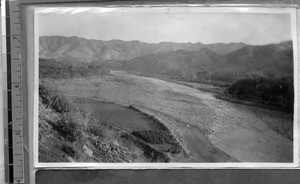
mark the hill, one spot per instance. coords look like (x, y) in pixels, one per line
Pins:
(88, 50)
(273, 59)
(192, 61)
(223, 48)
(179, 64)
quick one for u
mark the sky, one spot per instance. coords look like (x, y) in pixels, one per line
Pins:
(161, 24)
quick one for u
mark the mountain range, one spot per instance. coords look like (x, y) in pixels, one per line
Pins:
(195, 61)
(87, 49)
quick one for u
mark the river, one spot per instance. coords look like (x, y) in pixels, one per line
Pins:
(213, 130)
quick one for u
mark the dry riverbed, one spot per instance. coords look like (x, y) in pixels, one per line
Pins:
(212, 130)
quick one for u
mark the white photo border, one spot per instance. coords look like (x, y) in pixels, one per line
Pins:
(33, 96)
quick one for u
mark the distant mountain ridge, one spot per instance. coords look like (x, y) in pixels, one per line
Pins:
(196, 61)
(272, 59)
(267, 60)
(180, 63)
(88, 49)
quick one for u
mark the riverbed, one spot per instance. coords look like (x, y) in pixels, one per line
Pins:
(213, 130)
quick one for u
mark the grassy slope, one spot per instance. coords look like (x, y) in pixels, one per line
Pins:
(76, 136)
(105, 144)
(67, 134)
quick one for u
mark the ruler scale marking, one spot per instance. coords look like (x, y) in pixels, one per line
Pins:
(13, 126)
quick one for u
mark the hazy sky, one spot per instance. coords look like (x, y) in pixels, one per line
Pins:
(155, 25)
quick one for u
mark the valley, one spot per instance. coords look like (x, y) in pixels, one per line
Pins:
(168, 101)
(210, 130)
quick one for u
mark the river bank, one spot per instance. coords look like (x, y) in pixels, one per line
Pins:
(195, 116)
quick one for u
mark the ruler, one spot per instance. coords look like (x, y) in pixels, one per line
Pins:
(13, 120)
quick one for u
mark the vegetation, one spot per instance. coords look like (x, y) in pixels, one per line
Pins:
(70, 127)
(265, 92)
(159, 137)
(159, 124)
(51, 68)
(94, 128)
(217, 75)
(152, 154)
(54, 99)
(155, 136)
(270, 91)
(68, 134)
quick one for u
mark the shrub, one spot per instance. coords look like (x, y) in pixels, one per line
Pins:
(69, 150)
(271, 91)
(70, 127)
(68, 68)
(95, 127)
(155, 136)
(53, 98)
(149, 152)
(175, 150)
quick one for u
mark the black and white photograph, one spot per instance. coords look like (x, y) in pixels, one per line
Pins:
(166, 85)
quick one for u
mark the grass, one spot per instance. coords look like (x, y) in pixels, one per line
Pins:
(160, 136)
(51, 97)
(95, 129)
(70, 127)
(158, 123)
(64, 130)
(155, 136)
(106, 138)
(152, 154)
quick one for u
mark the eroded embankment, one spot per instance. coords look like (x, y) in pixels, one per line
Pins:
(175, 141)
(164, 126)
(197, 147)
(145, 130)
(67, 134)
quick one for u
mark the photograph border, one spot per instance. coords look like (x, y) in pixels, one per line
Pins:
(33, 103)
